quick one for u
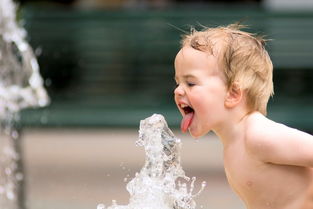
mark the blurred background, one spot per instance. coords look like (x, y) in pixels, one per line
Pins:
(107, 64)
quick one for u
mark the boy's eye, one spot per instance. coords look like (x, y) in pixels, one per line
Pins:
(190, 84)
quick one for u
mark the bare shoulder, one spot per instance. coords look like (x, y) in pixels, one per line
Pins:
(260, 129)
(271, 141)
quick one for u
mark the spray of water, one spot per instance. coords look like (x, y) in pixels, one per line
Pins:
(159, 183)
(20, 87)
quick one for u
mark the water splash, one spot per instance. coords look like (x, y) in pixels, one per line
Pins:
(20, 87)
(158, 185)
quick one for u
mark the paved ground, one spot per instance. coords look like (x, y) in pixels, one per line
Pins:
(80, 168)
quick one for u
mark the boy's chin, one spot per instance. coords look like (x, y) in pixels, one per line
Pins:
(196, 134)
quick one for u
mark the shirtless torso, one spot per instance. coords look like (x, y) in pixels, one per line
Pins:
(266, 185)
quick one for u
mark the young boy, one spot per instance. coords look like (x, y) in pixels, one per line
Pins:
(224, 81)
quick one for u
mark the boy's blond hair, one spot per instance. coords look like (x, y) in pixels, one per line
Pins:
(243, 58)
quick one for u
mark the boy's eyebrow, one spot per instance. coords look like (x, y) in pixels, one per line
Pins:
(185, 76)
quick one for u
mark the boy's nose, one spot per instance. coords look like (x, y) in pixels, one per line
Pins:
(179, 91)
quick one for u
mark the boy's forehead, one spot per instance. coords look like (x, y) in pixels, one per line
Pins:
(189, 58)
(188, 53)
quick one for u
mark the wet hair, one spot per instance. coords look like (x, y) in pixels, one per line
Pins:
(242, 59)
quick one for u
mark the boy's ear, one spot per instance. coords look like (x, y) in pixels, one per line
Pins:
(233, 96)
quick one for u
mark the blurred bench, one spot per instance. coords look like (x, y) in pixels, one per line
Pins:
(113, 68)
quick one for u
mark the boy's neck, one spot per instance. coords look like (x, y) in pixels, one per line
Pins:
(233, 127)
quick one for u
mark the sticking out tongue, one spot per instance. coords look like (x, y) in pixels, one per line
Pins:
(186, 121)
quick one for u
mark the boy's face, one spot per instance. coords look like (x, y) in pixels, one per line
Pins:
(200, 91)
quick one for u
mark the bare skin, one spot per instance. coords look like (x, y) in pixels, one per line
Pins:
(267, 168)
(267, 164)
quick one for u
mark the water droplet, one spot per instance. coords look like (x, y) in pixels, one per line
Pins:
(22, 46)
(38, 51)
(48, 82)
(203, 184)
(101, 206)
(114, 203)
(10, 195)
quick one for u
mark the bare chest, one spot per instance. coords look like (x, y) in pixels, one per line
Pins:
(263, 185)
(243, 173)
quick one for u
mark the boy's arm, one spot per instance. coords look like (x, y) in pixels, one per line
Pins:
(280, 144)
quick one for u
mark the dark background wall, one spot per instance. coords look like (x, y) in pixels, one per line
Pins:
(110, 63)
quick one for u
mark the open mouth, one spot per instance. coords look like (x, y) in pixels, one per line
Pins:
(188, 114)
(186, 109)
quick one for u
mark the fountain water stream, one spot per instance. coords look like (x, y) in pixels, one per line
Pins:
(20, 87)
(158, 185)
